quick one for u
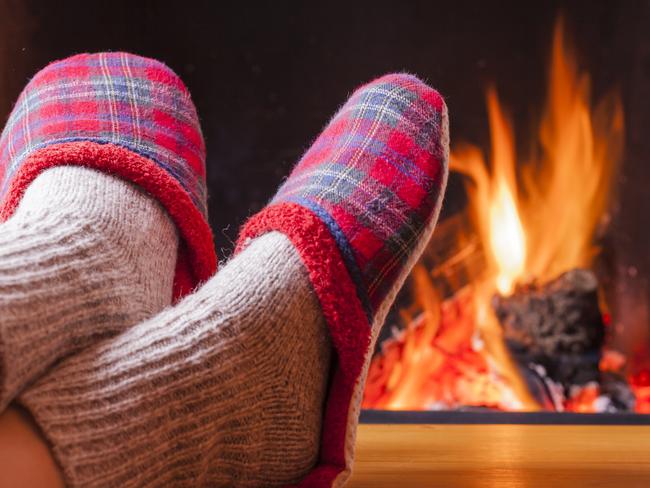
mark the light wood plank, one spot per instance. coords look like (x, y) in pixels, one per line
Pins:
(503, 456)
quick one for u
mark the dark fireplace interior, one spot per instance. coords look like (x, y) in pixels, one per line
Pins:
(266, 78)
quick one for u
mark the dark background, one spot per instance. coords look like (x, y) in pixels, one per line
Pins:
(267, 76)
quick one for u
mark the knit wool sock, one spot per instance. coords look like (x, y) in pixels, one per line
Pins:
(228, 387)
(224, 389)
(83, 256)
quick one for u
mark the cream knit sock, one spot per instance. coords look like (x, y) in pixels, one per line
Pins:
(224, 389)
(84, 256)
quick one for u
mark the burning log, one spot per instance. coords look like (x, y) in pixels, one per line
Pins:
(559, 326)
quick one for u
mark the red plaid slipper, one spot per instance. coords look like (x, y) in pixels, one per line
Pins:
(126, 115)
(360, 206)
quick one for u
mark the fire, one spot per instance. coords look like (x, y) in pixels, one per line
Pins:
(507, 240)
(493, 196)
(536, 217)
(548, 226)
(569, 194)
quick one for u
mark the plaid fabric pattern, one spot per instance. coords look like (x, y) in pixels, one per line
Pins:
(373, 177)
(109, 98)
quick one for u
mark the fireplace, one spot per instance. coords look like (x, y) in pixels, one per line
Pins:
(520, 302)
(518, 354)
(546, 326)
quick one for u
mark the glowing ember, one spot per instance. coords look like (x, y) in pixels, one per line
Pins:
(535, 221)
(418, 371)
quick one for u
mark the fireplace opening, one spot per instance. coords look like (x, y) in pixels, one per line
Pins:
(557, 317)
(515, 305)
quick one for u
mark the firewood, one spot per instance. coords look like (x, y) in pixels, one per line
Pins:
(559, 318)
(559, 326)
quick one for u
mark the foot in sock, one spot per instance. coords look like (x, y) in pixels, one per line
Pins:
(103, 210)
(256, 378)
(84, 255)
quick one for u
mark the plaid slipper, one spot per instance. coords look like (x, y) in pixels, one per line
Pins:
(359, 207)
(125, 115)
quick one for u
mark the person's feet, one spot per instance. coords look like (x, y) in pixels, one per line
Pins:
(84, 256)
(256, 378)
(375, 178)
(101, 171)
(124, 115)
(359, 207)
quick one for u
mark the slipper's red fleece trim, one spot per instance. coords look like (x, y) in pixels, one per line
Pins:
(345, 316)
(196, 261)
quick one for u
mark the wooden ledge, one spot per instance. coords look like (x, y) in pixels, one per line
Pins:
(503, 456)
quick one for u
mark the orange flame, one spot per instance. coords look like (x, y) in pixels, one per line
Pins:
(548, 226)
(535, 219)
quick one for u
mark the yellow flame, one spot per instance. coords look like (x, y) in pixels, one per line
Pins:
(494, 198)
(507, 239)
